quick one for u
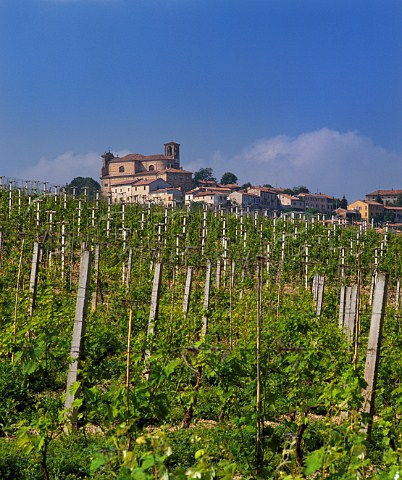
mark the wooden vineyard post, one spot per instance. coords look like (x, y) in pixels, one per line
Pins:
(185, 423)
(187, 290)
(258, 448)
(343, 262)
(177, 251)
(128, 362)
(320, 293)
(109, 204)
(205, 305)
(70, 412)
(268, 260)
(153, 313)
(306, 268)
(17, 295)
(342, 299)
(397, 293)
(350, 313)
(129, 266)
(283, 248)
(10, 199)
(218, 274)
(374, 276)
(63, 248)
(315, 288)
(96, 289)
(37, 215)
(231, 285)
(34, 278)
(357, 311)
(373, 348)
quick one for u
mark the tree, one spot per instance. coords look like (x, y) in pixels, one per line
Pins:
(80, 183)
(398, 201)
(379, 199)
(245, 185)
(228, 177)
(300, 189)
(341, 203)
(296, 190)
(203, 174)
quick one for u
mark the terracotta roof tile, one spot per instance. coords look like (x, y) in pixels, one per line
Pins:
(148, 182)
(385, 192)
(264, 189)
(316, 195)
(394, 209)
(124, 182)
(208, 192)
(174, 170)
(372, 202)
(165, 190)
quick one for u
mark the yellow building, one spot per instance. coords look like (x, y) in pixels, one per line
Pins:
(368, 209)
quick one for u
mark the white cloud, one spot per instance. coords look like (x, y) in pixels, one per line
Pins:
(324, 160)
(63, 168)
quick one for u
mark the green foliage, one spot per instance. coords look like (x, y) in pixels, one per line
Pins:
(81, 184)
(227, 178)
(203, 174)
(134, 427)
(341, 203)
(297, 190)
(398, 201)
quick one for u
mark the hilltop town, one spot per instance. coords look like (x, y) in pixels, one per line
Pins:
(160, 179)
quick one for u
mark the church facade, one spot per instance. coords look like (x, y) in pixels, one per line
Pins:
(133, 168)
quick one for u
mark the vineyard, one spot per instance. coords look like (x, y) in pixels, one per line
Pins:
(142, 342)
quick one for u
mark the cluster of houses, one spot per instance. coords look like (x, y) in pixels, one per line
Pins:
(137, 178)
(379, 205)
(160, 179)
(257, 197)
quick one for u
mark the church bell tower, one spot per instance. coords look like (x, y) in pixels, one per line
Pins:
(172, 151)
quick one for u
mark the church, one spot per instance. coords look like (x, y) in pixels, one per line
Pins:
(119, 173)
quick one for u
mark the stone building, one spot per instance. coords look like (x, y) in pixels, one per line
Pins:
(387, 197)
(318, 201)
(137, 167)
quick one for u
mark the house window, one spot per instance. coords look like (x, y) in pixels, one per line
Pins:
(121, 169)
(151, 168)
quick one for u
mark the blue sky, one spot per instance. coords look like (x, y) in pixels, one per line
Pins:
(285, 92)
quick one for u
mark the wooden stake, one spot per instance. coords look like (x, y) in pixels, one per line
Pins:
(70, 412)
(96, 289)
(206, 300)
(373, 349)
(130, 322)
(34, 278)
(341, 318)
(17, 295)
(153, 314)
(187, 290)
(258, 449)
(320, 293)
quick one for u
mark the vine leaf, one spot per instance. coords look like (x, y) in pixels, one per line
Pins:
(314, 461)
